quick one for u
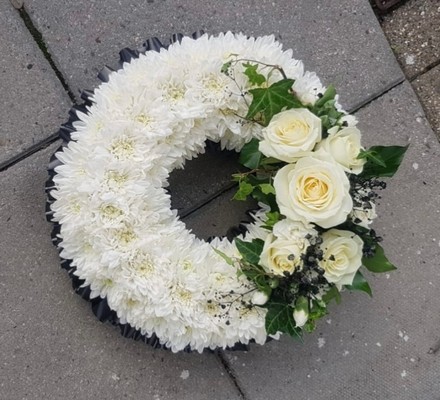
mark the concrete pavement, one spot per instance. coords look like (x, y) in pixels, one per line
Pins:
(51, 345)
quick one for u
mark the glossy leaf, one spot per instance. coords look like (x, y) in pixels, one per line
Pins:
(379, 262)
(279, 318)
(270, 101)
(250, 251)
(390, 156)
(332, 294)
(361, 284)
(372, 156)
(250, 156)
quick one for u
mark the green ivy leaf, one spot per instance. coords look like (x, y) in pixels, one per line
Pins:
(250, 156)
(270, 101)
(272, 219)
(360, 283)
(250, 251)
(390, 157)
(244, 190)
(279, 318)
(331, 294)
(379, 262)
(225, 67)
(267, 188)
(255, 78)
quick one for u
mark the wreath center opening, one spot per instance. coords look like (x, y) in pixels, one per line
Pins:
(202, 191)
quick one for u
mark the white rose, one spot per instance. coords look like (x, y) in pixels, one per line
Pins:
(293, 230)
(284, 246)
(344, 146)
(315, 189)
(259, 298)
(280, 256)
(290, 134)
(342, 256)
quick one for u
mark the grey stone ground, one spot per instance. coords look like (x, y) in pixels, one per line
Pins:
(52, 347)
(339, 39)
(413, 31)
(32, 101)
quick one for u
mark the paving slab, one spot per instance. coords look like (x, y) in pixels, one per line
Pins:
(413, 31)
(381, 348)
(340, 39)
(427, 87)
(219, 216)
(33, 102)
(52, 347)
(202, 179)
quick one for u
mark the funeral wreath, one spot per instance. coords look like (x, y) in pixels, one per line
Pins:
(316, 186)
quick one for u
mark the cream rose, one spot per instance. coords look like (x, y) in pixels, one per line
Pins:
(284, 246)
(344, 146)
(290, 134)
(342, 256)
(315, 189)
(293, 230)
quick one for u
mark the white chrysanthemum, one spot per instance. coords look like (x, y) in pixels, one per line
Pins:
(116, 221)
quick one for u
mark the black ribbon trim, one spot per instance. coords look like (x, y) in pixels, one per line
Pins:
(100, 305)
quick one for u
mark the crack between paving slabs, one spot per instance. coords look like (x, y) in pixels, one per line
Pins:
(190, 210)
(39, 40)
(387, 89)
(29, 151)
(424, 70)
(355, 110)
(230, 372)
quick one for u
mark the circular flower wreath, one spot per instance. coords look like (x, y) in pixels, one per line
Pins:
(124, 244)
